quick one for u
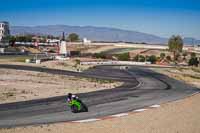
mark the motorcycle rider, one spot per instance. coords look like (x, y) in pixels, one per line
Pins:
(71, 96)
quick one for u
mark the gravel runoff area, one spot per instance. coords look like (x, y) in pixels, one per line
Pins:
(18, 85)
(190, 75)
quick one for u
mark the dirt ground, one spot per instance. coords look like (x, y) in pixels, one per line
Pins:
(100, 49)
(17, 85)
(190, 75)
(156, 52)
(70, 64)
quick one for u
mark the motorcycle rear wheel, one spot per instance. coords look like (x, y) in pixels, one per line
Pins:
(84, 108)
(74, 109)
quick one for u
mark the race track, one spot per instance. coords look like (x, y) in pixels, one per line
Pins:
(142, 87)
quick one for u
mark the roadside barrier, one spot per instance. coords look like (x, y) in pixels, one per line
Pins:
(115, 63)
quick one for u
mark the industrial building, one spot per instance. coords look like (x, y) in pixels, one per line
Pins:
(4, 29)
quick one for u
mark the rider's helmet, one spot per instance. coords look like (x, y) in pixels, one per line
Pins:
(69, 95)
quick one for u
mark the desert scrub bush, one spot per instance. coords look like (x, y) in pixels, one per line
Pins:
(8, 94)
(101, 81)
(193, 61)
(152, 59)
(123, 57)
(99, 55)
(196, 69)
(139, 58)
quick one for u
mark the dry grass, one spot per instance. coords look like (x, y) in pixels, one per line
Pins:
(16, 85)
(189, 75)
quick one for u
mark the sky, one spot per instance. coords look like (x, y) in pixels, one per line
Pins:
(159, 17)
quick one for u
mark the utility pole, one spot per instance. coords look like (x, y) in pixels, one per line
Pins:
(63, 36)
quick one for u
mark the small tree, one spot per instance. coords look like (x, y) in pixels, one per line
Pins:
(193, 55)
(73, 37)
(124, 57)
(78, 62)
(141, 58)
(27, 38)
(99, 55)
(10, 39)
(162, 55)
(146, 57)
(175, 45)
(136, 58)
(168, 58)
(152, 59)
(184, 55)
(193, 62)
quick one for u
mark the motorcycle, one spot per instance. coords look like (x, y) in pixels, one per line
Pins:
(77, 106)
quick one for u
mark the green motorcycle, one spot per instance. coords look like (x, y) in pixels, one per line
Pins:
(77, 106)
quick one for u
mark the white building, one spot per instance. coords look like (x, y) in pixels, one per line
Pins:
(53, 41)
(63, 48)
(86, 41)
(4, 29)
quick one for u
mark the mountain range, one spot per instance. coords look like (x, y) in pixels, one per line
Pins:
(96, 33)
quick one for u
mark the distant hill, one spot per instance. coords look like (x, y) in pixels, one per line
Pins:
(90, 32)
(191, 41)
(96, 33)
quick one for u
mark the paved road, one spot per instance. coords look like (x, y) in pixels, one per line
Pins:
(142, 87)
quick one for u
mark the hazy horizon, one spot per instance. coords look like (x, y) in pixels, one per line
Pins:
(100, 27)
(161, 18)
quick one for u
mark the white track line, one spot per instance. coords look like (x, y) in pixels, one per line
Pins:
(136, 80)
(120, 115)
(195, 93)
(155, 106)
(140, 110)
(86, 120)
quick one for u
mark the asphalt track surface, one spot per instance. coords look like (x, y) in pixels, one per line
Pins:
(142, 87)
